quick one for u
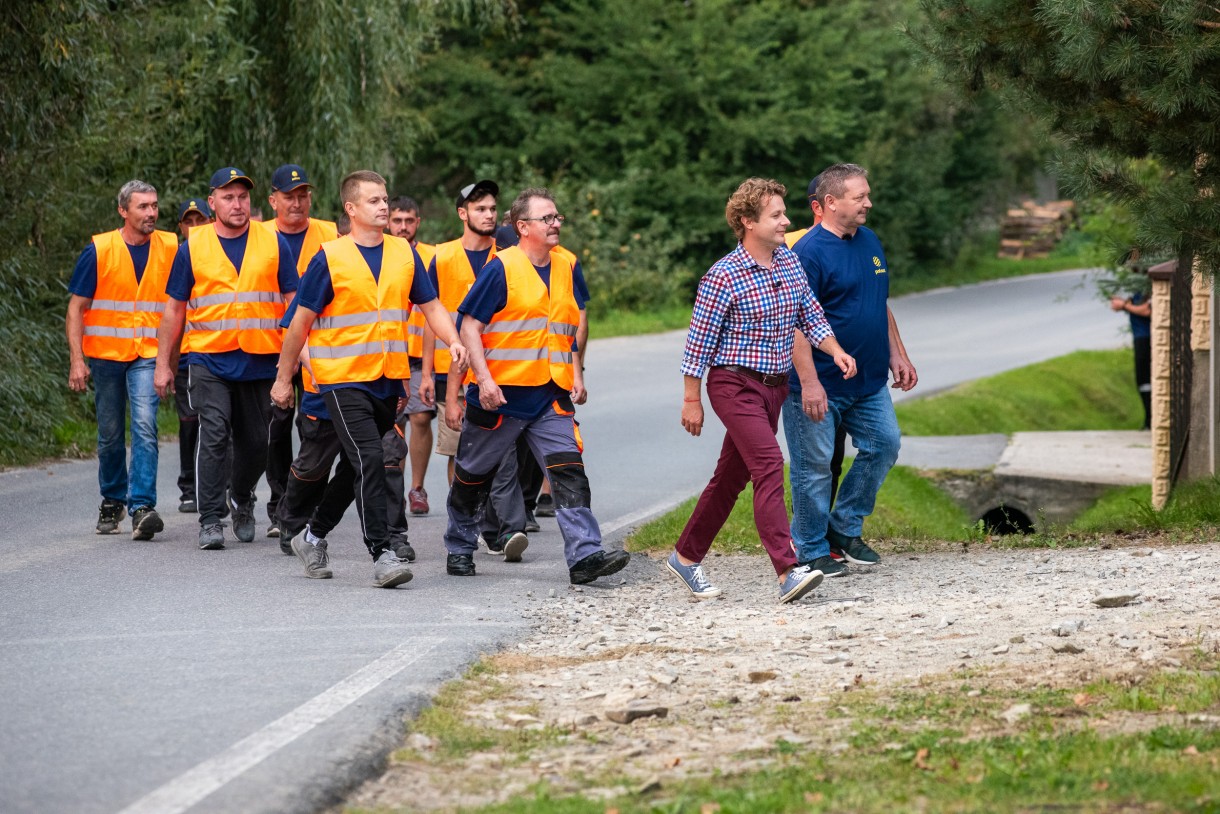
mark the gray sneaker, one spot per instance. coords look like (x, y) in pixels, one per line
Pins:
(243, 521)
(389, 571)
(692, 576)
(212, 538)
(800, 580)
(109, 515)
(313, 555)
(513, 546)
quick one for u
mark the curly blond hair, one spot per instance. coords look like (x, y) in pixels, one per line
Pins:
(747, 202)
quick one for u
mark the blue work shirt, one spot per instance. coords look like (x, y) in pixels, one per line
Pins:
(851, 280)
(318, 291)
(233, 365)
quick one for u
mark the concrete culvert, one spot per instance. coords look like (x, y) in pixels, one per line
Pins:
(1007, 520)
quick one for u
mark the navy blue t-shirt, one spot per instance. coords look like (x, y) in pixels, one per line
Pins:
(850, 278)
(1141, 327)
(317, 291)
(84, 276)
(295, 242)
(234, 365)
(486, 298)
(478, 259)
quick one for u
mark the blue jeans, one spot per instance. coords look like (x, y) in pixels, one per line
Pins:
(115, 385)
(874, 432)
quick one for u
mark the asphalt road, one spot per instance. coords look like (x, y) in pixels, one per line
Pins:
(154, 677)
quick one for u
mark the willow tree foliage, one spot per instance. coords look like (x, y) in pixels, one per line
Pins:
(95, 93)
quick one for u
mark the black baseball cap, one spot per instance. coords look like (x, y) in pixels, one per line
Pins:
(478, 190)
(288, 178)
(228, 175)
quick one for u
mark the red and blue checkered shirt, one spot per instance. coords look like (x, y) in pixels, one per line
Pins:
(745, 314)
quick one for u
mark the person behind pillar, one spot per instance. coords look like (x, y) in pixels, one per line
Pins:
(453, 270)
(420, 406)
(352, 311)
(194, 212)
(229, 286)
(291, 200)
(846, 268)
(117, 292)
(746, 308)
(518, 324)
(1139, 308)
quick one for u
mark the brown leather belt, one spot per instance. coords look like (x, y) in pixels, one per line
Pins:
(769, 379)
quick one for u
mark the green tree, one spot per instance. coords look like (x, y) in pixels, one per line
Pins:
(652, 112)
(95, 93)
(1114, 81)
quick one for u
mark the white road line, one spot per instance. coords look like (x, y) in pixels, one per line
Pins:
(646, 513)
(189, 788)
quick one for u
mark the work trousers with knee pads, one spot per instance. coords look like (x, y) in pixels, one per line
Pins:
(552, 437)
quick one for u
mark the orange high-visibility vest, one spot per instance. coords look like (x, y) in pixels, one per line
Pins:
(121, 321)
(415, 323)
(454, 277)
(362, 334)
(316, 233)
(231, 309)
(529, 342)
(791, 238)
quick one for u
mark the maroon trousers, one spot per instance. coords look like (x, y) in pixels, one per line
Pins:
(750, 413)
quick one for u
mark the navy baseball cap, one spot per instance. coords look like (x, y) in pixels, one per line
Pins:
(486, 187)
(194, 205)
(813, 187)
(228, 175)
(288, 178)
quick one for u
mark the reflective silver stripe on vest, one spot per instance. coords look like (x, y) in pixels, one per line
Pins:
(558, 358)
(508, 326)
(112, 305)
(154, 307)
(515, 354)
(218, 325)
(146, 333)
(258, 324)
(453, 315)
(415, 330)
(562, 328)
(394, 315)
(360, 349)
(117, 333)
(346, 320)
(259, 296)
(210, 299)
(441, 344)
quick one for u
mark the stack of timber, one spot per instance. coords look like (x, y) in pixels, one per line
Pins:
(1034, 229)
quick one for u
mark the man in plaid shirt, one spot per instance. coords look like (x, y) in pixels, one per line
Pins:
(748, 306)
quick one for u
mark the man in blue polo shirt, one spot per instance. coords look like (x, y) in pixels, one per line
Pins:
(228, 287)
(847, 271)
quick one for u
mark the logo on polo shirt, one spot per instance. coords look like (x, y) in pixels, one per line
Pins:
(877, 263)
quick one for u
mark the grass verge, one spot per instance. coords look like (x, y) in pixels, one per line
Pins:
(618, 322)
(1138, 740)
(909, 509)
(1086, 390)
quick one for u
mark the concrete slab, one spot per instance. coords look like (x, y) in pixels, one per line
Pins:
(952, 451)
(1117, 457)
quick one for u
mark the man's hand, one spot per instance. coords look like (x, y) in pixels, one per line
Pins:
(78, 376)
(905, 376)
(281, 393)
(1118, 303)
(692, 417)
(459, 355)
(427, 389)
(578, 393)
(453, 413)
(163, 381)
(845, 363)
(813, 399)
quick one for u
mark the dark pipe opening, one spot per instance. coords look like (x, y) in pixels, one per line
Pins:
(1007, 520)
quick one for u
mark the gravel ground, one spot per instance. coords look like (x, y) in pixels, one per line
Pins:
(726, 674)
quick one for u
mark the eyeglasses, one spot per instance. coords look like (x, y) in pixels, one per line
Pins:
(549, 220)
